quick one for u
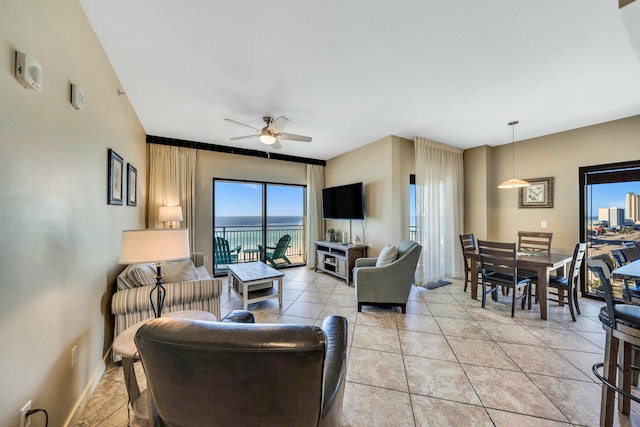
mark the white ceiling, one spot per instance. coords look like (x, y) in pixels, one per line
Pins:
(348, 73)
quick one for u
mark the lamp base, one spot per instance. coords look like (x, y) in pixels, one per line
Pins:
(159, 291)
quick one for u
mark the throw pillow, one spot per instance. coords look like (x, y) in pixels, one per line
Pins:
(142, 274)
(179, 271)
(387, 256)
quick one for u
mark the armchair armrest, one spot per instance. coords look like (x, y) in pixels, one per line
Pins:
(236, 249)
(335, 328)
(366, 262)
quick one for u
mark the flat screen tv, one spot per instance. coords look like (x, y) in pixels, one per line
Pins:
(343, 202)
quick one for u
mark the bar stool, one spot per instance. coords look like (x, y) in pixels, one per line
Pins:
(621, 323)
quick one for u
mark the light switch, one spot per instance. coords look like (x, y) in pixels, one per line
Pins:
(543, 224)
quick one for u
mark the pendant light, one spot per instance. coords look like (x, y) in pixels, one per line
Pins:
(513, 182)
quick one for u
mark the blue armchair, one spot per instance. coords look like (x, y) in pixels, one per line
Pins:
(388, 285)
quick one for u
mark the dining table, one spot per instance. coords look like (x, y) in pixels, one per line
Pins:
(630, 271)
(541, 263)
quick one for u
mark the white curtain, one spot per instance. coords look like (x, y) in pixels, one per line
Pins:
(439, 210)
(315, 225)
(172, 182)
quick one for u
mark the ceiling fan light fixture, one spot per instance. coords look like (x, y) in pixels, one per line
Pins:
(513, 182)
(267, 138)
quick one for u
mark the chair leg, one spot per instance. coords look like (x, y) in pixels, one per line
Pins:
(575, 300)
(359, 307)
(607, 402)
(513, 303)
(624, 378)
(570, 301)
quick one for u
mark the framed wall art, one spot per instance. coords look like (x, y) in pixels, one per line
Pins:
(538, 195)
(115, 166)
(132, 185)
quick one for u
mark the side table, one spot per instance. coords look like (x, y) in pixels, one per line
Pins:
(125, 346)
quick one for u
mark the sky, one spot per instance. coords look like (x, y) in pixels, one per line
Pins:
(245, 199)
(612, 195)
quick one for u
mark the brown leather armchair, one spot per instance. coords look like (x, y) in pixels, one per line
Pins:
(225, 373)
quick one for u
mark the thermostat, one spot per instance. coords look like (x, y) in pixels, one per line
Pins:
(77, 97)
(28, 71)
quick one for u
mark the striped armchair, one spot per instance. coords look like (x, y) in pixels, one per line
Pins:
(189, 287)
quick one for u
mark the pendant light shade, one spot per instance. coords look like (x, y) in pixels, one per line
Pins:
(513, 182)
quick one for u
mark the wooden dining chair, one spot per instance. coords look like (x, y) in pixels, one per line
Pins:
(468, 243)
(567, 287)
(533, 242)
(499, 269)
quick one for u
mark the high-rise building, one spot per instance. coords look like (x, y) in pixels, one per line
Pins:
(632, 207)
(616, 217)
(603, 214)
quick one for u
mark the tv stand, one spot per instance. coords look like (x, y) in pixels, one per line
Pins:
(338, 259)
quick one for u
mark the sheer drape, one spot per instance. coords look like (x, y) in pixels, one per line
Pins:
(439, 210)
(315, 231)
(172, 182)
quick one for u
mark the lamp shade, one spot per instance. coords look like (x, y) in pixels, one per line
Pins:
(170, 213)
(154, 245)
(514, 183)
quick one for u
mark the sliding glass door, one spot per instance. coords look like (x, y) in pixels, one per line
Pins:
(609, 213)
(251, 218)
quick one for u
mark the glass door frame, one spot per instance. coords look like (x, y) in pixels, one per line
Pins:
(264, 208)
(601, 174)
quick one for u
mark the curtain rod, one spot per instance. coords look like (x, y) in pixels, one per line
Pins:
(152, 139)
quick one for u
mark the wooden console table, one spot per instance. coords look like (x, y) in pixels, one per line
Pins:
(338, 259)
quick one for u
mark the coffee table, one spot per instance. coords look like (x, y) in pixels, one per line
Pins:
(125, 346)
(245, 276)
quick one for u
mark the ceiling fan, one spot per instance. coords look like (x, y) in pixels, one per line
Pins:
(271, 132)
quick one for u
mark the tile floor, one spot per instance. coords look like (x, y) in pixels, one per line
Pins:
(447, 362)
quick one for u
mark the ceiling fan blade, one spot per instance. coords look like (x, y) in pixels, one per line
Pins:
(276, 145)
(244, 137)
(242, 124)
(278, 124)
(293, 137)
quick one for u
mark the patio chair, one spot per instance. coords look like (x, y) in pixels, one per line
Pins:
(278, 251)
(222, 254)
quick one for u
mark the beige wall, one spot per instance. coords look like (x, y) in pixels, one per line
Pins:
(212, 164)
(384, 167)
(58, 237)
(559, 156)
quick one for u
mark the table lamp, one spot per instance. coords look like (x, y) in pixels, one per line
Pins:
(170, 214)
(156, 246)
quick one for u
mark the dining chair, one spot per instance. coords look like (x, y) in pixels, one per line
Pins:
(499, 269)
(567, 287)
(533, 242)
(621, 323)
(468, 243)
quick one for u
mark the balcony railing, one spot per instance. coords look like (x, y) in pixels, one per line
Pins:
(249, 237)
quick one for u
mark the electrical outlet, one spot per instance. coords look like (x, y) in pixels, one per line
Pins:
(24, 420)
(74, 356)
(206, 258)
(543, 224)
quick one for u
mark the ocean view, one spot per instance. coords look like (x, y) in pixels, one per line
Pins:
(256, 221)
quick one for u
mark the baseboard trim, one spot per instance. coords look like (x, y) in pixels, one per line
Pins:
(81, 404)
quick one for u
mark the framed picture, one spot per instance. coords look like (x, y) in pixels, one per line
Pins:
(132, 185)
(538, 195)
(114, 178)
